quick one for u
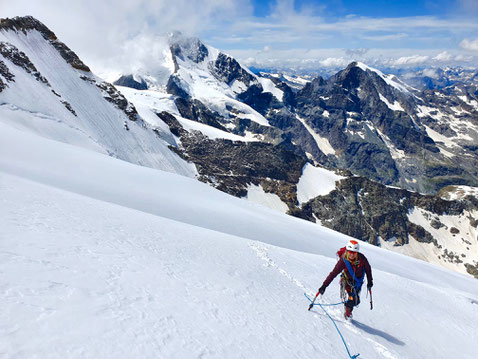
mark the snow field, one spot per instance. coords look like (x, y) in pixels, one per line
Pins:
(101, 258)
(315, 181)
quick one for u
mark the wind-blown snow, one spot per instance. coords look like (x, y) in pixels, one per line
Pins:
(315, 181)
(103, 258)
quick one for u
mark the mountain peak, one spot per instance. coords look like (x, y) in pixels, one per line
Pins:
(187, 47)
(26, 23)
(29, 23)
(390, 80)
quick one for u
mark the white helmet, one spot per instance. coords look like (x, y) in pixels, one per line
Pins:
(353, 246)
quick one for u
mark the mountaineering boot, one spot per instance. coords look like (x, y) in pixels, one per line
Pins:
(348, 313)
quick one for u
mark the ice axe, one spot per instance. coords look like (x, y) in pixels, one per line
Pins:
(371, 303)
(312, 304)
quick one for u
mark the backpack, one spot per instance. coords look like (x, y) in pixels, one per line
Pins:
(340, 252)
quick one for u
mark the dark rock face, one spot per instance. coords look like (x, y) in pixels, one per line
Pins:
(111, 94)
(129, 81)
(367, 210)
(354, 110)
(29, 23)
(258, 99)
(193, 50)
(232, 166)
(173, 124)
(6, 74)
(472, 269)
(454, 117)
(227, 69)
(174, 87)
(196, 111)
(68, 107)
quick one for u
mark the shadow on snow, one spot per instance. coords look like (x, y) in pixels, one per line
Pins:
(377, 332)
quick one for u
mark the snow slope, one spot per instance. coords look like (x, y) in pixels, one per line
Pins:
(103, 258)
(315, 181)
(97, 123)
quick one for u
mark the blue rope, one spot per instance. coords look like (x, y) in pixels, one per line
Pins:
(324, 305)
(333, 321)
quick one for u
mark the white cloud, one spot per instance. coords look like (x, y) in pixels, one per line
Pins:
(463, 58)
(98, 30)
(385, 37)
(334, 62)
(430, 73)
(123, 33)
(443, 57)
(470, 45)
(410, 60)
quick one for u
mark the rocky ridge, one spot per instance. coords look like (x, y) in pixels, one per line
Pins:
(29, 23)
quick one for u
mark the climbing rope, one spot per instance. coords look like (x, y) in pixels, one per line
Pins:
(324, 305)
(333, 321)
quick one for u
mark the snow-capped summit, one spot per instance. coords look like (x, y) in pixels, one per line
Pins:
(188, 47)
(390, 79)
(188, 69)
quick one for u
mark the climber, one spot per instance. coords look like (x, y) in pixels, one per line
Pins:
(353, 265)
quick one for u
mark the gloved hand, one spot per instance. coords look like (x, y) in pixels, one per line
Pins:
(321, 290)
(369, 285)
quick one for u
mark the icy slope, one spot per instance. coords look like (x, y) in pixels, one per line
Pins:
(107, 259)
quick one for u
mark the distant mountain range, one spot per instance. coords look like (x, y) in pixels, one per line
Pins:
(403, 161)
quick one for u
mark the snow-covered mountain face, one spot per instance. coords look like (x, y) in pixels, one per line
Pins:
(46, 89)
(387, 131)
(295, 82)
(205, 83)
(360, 119)
(199, 113)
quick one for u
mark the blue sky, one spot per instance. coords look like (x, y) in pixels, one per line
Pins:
(374, 8)
(271, 33)
(335, 32)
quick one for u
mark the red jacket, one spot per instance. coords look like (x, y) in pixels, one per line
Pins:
(358, 268)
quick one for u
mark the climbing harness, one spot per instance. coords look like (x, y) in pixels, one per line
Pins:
(357, 281)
